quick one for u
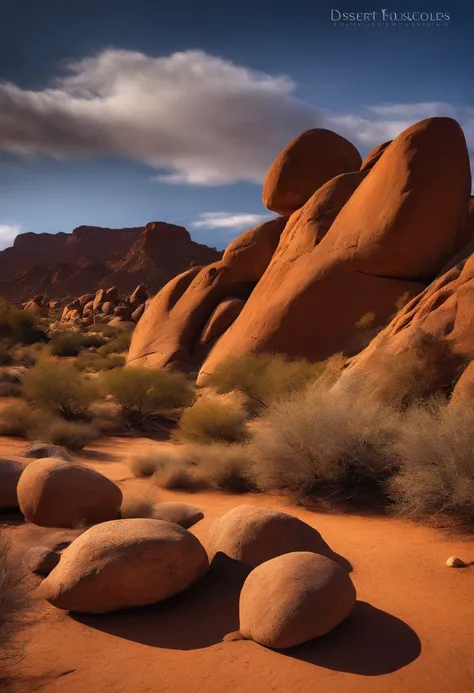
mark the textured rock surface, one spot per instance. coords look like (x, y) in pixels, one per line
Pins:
(41, 560)
(309, 161)
(55, 493)
(180, 513)
(253, 535)
(123, 564)
(294, 598)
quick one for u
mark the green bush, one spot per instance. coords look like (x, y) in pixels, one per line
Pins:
(18, 326)
(71, 343)
(116, 345)
(264, 378)
(142, 393)
(434, 453)
(69, 434)
(94, 362)
(211, 419)
(59, 388)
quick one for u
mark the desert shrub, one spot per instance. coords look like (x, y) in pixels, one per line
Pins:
(15, 607)
(154, 459)
(264, 378)
(18, 419)
(71, 343)
(223, 467)
(59, 388)
(142, 393)
(94, 363)
(322, 444)
(10, 382)
(28, 355)
(116, 345)
(434, 452)
(18, 326)
(211, 419)
(68, 434)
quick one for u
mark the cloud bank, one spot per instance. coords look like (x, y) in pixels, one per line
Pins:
(8, 233)
(195, 118)
(227, 220)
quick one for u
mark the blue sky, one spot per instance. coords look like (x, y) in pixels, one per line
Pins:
(119, 113)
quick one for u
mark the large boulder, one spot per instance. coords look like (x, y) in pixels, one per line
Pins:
(294, 598)
(125, 563)
(99, 298)
(38, 450)
(55, 493)
(308, 162)
(222, 318)
(139, 296)
(253, 535)
(170, 329)
(10, 473)
(361, 244)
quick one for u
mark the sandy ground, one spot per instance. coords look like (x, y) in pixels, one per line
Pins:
(412, 628)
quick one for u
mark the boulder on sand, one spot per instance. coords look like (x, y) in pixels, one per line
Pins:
(308, 162)
(10, 473)
(294, 598)
(253, 535)
(125, 563)
(56, 493)
(180, 513)
(38, 450)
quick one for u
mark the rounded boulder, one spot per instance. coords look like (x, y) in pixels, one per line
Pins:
(56, 493)
(123, 564)
(41, 560)
(253, 535)
(179, 513)
(308, 162)
(294, 598)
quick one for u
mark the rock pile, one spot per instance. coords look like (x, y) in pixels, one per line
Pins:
(354, 239)
(106, 306)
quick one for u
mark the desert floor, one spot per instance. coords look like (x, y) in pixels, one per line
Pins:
(412, 628)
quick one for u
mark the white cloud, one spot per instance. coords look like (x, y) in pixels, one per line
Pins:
(201, 119)
(227, 220)
(8, 233)
(196, 118)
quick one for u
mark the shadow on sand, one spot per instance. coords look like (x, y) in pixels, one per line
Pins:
(371, 642)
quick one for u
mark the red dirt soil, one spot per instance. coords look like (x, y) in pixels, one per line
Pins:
(412, 628)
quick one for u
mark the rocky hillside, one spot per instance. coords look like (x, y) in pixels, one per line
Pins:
(355, 242)
(64, 265)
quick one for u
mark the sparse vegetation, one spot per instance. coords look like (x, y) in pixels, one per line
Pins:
(59, 388)
(138, 504)
(117, 345)
(94, 363)
(144, 393)
(18, 326)
(15, 607)
(69, 434)
(213, 419)
(20, 419)
(434, 453)
(264, 378)
(72, 343)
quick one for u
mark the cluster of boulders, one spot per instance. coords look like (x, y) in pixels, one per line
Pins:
(354, 238)
(298, 589)
(107, 306)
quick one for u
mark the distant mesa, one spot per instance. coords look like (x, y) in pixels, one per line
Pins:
(70, 264)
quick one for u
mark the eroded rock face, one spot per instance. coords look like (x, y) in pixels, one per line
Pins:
(309, 161)
(362, 242)
(387, 239)
(125, 563)
(170, 329)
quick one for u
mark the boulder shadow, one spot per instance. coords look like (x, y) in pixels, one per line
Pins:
(371, 642)
(197, 618)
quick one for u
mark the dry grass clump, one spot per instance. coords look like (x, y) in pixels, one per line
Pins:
(20, 419)
(264, 378)
(10, 382)
(143, 393)
(155, 459)
(15, 608)
(18, 326)
(117, 345)
(138, 503)
(434, 453)
(93, 362)
(69, 434)
(71, 343)
(213, 419)
(322, 444)
(59, 388)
